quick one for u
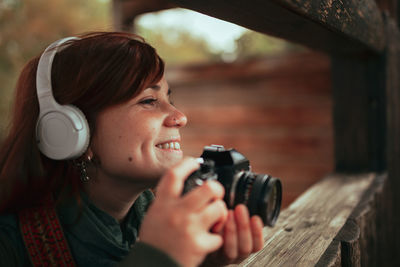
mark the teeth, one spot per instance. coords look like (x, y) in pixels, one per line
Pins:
(171, 145)
(177, 145)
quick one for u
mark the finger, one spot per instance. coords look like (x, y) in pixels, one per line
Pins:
(256, 232)
(213, 213)
(171, 184)
(202, 195)
(244, 232)
(230, 238)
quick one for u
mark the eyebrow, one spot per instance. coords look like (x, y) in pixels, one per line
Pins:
(157, 88)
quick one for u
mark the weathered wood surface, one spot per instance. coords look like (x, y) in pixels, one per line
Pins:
(358, 86)
(365, 235)
(391, 7)
(307, 228)
(393, 134)
(331, 26)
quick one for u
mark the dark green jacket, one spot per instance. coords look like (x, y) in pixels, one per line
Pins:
(94, 237)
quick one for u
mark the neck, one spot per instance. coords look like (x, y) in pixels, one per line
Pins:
(113, 196)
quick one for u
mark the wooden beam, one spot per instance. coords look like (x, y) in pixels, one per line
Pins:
(306, 230)
(331, 26)
(125, 11)
(388, 6)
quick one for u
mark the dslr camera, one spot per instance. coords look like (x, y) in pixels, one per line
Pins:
(261, 193)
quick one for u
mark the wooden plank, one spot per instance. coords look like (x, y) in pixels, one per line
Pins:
(350, 247)
(307, 228)
(332, 256)
(366, 234)
(277, 66)
(331, 26)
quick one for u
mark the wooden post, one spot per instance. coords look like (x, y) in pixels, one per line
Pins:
(359, 113)
(392, 207)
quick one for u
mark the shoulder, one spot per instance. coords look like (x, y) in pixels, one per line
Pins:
(12, 248)
(143, 254)
(9, 227)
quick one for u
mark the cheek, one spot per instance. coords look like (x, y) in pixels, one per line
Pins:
(125, 141)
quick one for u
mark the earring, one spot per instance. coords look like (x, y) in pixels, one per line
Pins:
(82, 169)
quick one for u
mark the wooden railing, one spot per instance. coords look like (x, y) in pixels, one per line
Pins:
(323, 226)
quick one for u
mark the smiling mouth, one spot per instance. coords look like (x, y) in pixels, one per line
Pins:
(170, 145)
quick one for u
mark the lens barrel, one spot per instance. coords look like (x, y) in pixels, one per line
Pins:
(262, 195)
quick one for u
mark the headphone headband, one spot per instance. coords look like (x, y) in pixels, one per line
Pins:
(43, 74)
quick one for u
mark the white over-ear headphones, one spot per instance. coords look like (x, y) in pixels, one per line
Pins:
(62, 131)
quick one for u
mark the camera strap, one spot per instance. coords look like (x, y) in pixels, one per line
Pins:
(43, 236)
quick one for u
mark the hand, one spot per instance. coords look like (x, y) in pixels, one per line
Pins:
(242, 236)
(180, 225)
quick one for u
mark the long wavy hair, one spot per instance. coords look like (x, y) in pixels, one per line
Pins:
(99, 70)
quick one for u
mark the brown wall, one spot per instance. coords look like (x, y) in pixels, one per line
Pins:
(274, 110)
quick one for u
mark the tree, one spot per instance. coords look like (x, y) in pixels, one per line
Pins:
(27, 26)
(254, 44)
(178, 46)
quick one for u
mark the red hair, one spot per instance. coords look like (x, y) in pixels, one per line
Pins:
(97, 71)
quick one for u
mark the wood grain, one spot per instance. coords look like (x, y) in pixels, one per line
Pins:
(307, 228)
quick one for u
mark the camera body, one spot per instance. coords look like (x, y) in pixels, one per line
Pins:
(261, 193)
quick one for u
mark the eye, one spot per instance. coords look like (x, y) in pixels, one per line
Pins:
(148, 101)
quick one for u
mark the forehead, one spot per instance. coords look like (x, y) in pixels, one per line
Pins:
(162, 85)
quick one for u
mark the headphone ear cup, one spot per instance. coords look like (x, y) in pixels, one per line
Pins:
(63, 132)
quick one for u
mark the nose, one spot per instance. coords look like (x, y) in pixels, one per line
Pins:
(176, 118)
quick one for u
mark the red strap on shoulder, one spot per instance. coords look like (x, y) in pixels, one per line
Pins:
(43, 236)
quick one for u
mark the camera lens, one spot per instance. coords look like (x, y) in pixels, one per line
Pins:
(261, 193)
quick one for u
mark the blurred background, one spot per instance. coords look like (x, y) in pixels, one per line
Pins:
(265, 97)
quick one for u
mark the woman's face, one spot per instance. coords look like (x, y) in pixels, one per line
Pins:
(138, 140)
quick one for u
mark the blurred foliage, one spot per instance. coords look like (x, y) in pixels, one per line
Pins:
(253, 44)
(27, 26)
(177, 46)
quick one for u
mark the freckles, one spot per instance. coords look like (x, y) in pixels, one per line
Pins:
(130, 159)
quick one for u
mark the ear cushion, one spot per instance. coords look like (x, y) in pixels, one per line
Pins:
(62, 132)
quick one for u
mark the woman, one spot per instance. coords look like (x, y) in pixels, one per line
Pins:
(95, 201)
